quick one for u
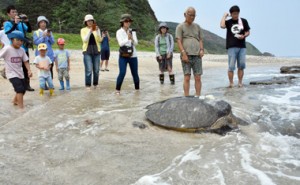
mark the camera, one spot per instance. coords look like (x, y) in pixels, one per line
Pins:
(22, 16)
(132, 30)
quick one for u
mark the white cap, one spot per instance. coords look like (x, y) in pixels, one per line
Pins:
(42, 18)
(88, 17)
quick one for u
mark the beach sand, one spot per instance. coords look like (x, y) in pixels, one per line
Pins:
(147, 66)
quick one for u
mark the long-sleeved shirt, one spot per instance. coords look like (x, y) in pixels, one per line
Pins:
(10, 26)
(39, 38)
(169, 42)
(123, 40)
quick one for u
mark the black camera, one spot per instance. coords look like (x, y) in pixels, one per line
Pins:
(132, 30)
(22, 16)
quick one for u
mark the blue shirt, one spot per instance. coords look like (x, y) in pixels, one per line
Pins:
(8, 25)
(62, 56)
(38, 38)
(105, 43)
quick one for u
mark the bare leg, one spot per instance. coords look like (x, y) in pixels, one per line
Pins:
(15, 100)
(186, 85)
(20, 100)
(101, 64)
(198, 85)
(240, 76)
(106, 64)
(170, 70)
(230, 77)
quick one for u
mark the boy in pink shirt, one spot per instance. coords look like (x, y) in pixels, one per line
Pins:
(14, 56)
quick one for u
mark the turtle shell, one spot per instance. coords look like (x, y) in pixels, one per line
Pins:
(187, 113)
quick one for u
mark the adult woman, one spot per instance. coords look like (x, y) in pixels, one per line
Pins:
(44, 35)
(127, 39)
(91, 39)
(164, 44)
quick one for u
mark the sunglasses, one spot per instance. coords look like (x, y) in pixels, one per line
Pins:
(128, 20)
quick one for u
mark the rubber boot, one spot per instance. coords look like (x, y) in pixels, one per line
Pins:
(161, 78)
(41, 92)
(51, 92)
(172, 79)
(68, 85)
(62, 86)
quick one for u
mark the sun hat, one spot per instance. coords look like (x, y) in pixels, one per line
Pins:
(163, 24)
(60, 41)
(88, 17)
(16, 34)
(42, 18)
(42, 46)
(125, 17)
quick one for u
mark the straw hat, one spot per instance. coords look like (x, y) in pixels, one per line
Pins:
(125, 17)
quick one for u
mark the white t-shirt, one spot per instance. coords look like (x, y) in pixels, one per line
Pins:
(47, 60)
(3, 38)
(13, 61)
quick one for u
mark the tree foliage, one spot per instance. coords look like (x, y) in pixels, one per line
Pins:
(107, 13)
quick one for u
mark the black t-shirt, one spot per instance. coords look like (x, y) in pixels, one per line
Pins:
(233, 30)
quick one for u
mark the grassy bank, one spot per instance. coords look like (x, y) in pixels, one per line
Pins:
(73, 41)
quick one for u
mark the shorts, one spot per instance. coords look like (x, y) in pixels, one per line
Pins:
(18, 84)
(63, 73)
(105, 54)
(195, 63)
(236, 55)
(165, 63)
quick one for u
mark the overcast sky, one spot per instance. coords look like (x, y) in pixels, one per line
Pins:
(275, 24)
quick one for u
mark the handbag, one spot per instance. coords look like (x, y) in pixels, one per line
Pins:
(126, 51)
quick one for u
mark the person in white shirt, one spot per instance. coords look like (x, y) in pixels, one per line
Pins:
(127, 40)
(4, 41)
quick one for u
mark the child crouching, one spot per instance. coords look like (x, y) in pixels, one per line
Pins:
(43, 63)
(62, 63)
(14, 56)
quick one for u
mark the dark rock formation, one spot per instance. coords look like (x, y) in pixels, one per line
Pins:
(275, 80)
(290, 69)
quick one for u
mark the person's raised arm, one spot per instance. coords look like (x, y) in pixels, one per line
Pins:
(223, 20)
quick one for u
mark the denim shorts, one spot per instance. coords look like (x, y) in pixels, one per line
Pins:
(236, 55)
(18, 84)
(195, 63)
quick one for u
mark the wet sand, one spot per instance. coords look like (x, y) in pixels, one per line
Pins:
(87, 137)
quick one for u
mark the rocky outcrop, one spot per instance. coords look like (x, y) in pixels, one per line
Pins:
(290, 69)
(275, 80)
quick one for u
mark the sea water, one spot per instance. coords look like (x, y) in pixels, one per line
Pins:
(265, 152)
(87, 137)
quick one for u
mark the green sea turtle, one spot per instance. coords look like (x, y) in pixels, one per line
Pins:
(192, 114)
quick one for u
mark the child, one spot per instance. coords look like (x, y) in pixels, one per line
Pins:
(62, 63)
(14, 56)
(43, 63)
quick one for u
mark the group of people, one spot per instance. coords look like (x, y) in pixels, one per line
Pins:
(95, 46)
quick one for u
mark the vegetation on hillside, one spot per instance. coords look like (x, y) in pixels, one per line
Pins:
(67, 17)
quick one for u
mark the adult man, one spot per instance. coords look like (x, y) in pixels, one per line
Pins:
(237, 31)
(190, 42)
(18, 22)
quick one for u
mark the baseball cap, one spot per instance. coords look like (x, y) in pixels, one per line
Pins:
(60, 41)
(42, 46)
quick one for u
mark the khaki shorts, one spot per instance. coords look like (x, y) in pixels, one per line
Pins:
(195, 64)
